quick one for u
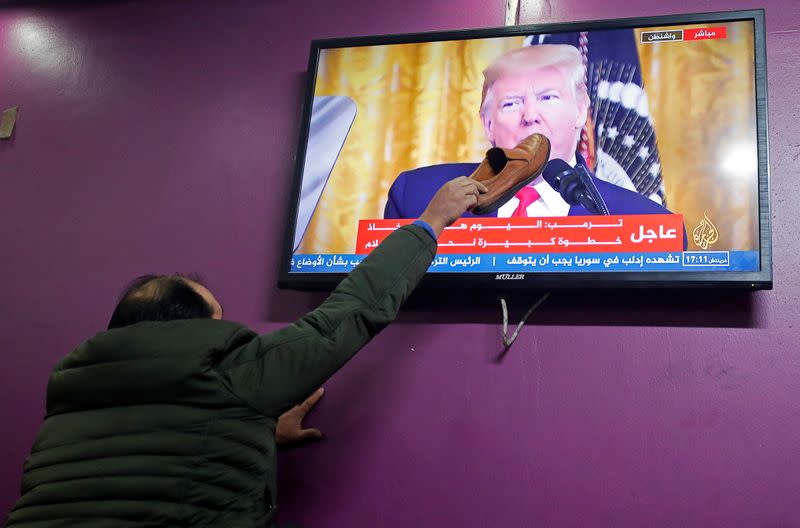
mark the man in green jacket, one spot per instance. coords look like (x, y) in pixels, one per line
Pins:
(169, 417)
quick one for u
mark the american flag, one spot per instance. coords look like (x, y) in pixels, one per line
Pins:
(619, 140)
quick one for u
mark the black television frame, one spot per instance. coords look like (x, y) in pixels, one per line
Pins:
(758, 280)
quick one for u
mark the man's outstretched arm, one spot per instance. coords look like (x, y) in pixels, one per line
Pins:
(273, 372)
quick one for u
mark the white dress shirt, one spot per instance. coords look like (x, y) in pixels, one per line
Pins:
(550, 203)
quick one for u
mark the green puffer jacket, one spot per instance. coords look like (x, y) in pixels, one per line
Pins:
(173, 424)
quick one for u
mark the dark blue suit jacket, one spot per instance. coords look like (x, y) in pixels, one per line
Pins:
(412, 190)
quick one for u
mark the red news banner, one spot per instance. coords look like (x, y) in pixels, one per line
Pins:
(718, 32)
(568, 234)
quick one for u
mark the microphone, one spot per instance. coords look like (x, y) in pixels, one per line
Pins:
(568, 183)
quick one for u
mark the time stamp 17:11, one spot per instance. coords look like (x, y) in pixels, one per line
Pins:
(706, 258)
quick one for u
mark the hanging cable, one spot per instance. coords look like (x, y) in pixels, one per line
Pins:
(507, 341)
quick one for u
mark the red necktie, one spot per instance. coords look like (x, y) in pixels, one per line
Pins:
(526, 196)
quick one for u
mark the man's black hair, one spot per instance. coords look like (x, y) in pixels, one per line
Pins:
(159, 298)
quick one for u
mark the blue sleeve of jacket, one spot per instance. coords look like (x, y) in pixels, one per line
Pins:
(426, 226)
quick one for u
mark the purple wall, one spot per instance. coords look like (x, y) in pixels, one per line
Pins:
(159, 136)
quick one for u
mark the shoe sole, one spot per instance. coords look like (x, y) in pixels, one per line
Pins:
(506, 196)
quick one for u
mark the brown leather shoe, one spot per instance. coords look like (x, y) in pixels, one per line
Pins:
(506, 171)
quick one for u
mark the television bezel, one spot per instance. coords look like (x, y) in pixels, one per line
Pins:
(756, 280)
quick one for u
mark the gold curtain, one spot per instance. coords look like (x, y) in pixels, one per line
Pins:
(702, 99)
(417, 105)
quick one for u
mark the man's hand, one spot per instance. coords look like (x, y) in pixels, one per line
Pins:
(451, 201)
(290, 424)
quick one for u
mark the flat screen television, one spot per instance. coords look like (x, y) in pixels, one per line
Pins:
(664, 117)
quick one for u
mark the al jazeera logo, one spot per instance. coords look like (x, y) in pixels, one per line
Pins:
(705, 233)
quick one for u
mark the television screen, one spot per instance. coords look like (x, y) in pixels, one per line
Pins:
(662, 119)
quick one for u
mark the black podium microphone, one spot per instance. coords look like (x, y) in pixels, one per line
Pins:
(568, 183)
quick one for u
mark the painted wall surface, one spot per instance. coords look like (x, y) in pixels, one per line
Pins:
(159, 137)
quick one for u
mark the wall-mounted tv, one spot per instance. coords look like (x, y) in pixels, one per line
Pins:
(664, 119)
